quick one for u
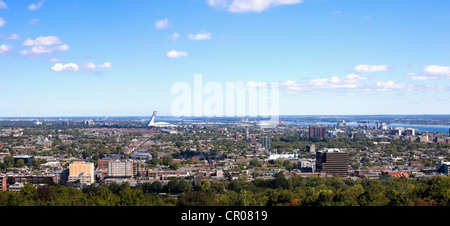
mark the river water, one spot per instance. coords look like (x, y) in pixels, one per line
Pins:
(423, 128)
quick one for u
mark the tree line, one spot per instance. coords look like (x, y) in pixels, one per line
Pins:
(279, 191)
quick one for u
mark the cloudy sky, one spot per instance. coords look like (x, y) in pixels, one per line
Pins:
(121, 57)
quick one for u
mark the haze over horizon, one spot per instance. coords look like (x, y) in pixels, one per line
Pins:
(249, 117)
(121, 58)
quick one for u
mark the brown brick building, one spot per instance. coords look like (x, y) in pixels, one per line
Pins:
(332, 162)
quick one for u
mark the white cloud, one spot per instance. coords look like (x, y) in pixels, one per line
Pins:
(370, 68)
(242, 6)
(53, 60)
(294, 87)
(161, 24)
(36, 6)
(218, 3)
(174, 36)
(423, 77)
(44, 44)
(415, 76)
(437, 70)
(65, 67)
(13, 37)
(200, 36)
(63, 47)
(106, 65)
(38, 50)
(2, 22)
(431, 72)
(91, 66)
(5, 48)
(3, 5)
(43, 41)
(350, 81)
(34, 22)
(392, 85)
(176, 54)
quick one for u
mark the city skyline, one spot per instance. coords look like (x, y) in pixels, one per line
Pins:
(121, 58)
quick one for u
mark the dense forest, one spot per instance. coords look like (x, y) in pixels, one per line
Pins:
(280, 191)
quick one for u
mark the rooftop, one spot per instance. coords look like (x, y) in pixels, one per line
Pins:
(331, 150)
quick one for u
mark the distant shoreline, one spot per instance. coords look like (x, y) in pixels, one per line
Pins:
(234, 117)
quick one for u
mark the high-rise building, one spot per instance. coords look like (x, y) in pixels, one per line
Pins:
(443, 167)
(103, 163)
(396, 131)
(3, 183)
(266, 143)
(316, 131)
(237, 136)
(333, 162)
(409, 132)
(136, 168)
(311, 148)
(120, 169)
(342, 124)
(82, 172)
(89, 122)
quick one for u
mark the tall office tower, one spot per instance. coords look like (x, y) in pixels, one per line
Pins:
(333, 162)
(119, 168)
(81, 171)
(409, 132)
(378, 125)
(317, 131)
(266, 143)
(237, 136)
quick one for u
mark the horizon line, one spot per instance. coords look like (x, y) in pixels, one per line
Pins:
(259, 116)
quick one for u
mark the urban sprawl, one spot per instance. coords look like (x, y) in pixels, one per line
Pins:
(227, 160)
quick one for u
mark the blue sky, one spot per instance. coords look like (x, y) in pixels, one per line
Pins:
(118, 57)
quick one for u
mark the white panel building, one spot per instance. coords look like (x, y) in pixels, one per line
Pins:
(120, 169)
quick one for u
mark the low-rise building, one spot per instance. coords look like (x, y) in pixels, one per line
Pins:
(30, 178)
(307, 165)
(16, 187)
(26, 159)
